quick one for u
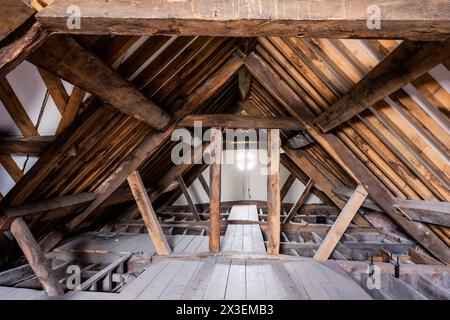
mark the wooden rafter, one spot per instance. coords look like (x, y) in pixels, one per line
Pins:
(322, 19)
(406, 63)
(301, 200)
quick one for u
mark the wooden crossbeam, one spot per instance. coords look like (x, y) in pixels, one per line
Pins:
(56, 89)
(40, 206)
(65, 57)
(215, 189)
(188, 197)
(301, 200)
(341, 224)
(71, 110)
(273, 191)
(25, 145)
(241, 122)
(36, 258)
(407, 62)
(148, 215)
(235, 18)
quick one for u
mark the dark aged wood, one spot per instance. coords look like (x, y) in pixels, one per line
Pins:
(14, 13)
(406, 63)
(68, 59)
(321, 19)
(215, 189)
(36, 258)
(20, 44)
(241, 122)
(25, 146)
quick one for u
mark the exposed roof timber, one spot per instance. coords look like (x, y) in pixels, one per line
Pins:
(25, 40)
(65, 57)
(25, 145)
(407, 62)
(12, 15)
(322, 19)
(352, 165)
(234, 121)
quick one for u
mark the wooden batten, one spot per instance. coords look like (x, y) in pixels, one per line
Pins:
(36, 258)
(148, 215)
(341, 224)
(215, 189)
(273, 191)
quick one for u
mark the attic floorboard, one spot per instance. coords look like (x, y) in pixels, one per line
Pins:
(219, 278)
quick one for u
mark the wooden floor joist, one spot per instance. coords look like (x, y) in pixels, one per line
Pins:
(341, 224)
(36, 258)
(148, 214)
(234, 18)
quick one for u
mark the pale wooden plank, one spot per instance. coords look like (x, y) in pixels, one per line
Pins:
(274, 290)
(227, 241)
(255, 286)
(236, 281)
(179, 283)
(295, 290)
(218, 282)
(308, 276)
(184, 242)
(247, 241)
(238, 238)
(196, 287)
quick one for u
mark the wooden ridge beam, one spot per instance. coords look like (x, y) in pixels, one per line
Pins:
(36, 258)
(63, 56)
(236, 18)
(25, 145)
(347, 160)
(407, 62)
(341, 224)
(148, 215)
(241, 122)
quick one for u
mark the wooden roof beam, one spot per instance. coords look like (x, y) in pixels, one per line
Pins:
(25, 145)
(237, 18)
(241, 122)
(407, 62)
(63, 56)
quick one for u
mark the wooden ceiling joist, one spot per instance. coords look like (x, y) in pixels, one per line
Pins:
(234, 121)
(65, 57)
(406, 63)
(235, 18)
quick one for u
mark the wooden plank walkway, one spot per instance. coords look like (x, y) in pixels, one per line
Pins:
(243, 237)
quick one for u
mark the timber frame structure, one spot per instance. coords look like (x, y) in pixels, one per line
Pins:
(356, 114)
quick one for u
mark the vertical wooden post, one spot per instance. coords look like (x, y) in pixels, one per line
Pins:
(148, 214)
(214, 196)
(341, 224)
(36, 258)
(273, 191)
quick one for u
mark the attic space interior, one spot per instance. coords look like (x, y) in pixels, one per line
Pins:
(226, 149)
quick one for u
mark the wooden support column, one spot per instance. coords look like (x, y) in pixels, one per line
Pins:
(188, 198)
(303, 197)
(36, 258)
(148, 215)
(273, 191)
(341, 224)
(215, 188)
